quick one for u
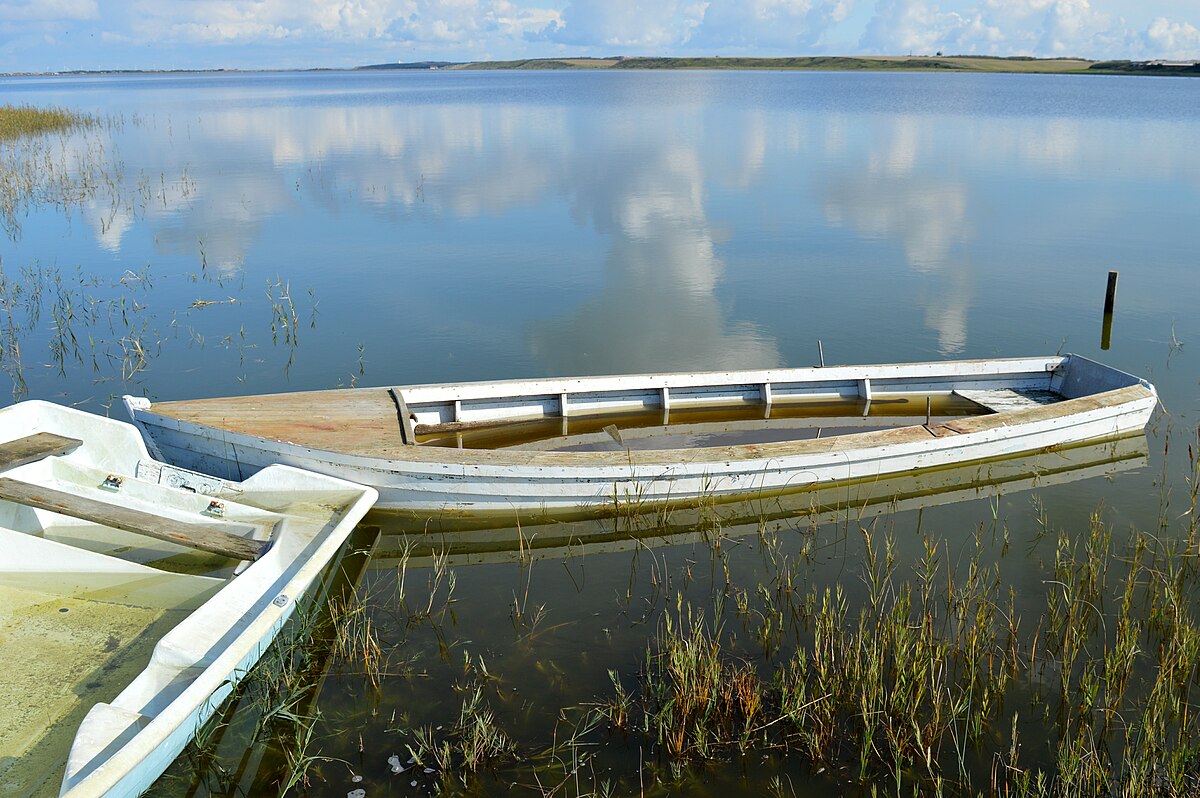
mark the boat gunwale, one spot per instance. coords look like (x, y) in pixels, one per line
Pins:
(217, 678)
(739, 453)
(434, 393)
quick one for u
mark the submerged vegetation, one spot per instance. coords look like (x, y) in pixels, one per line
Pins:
(926, 684)
(41, 164)
(70, 322)
(59, 323)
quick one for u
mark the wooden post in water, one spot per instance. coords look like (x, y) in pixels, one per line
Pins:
(1110, 295)
(821, 353)
(1110, 300)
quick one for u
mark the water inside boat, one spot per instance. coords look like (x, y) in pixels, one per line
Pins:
(697, 427)
(69, 640)
(651, 412)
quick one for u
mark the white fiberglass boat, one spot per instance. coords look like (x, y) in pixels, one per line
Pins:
(135, 595)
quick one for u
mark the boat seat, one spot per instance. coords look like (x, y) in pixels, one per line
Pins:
(35, 447)
(205, 537)
(175, 652)
(1006, 399)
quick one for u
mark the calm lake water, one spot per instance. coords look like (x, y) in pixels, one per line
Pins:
(269, 232)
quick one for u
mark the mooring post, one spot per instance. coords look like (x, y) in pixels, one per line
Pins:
(820, 353)
(1110, 299)
(1110, 295)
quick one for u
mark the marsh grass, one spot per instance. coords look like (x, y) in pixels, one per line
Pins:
(871, 657)
(473, 741)
(115, 330)
(22, 121)
(56, 157)
(918, 678)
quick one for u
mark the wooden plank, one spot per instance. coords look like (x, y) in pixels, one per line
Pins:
(965, 370)
(407, 434)
(196, 536)
(1005, 399)
(35, 447)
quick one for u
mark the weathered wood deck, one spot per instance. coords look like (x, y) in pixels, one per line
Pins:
(356, 421)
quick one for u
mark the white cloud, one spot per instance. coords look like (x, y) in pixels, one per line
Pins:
(1019, 27)
(456, 22)
(768, 24)
(718, 25)
(48, 10)
(645, 24)
(96, 34)
(911, 26)
(1069, 25)
(1168, 39)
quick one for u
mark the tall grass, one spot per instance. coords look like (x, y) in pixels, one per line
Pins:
(53, 157)
(928, 675)
(21, 121)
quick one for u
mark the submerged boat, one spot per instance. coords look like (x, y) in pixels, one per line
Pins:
(134, 595)
(591, 445)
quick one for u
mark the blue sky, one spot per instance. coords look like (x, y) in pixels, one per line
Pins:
(51, 35)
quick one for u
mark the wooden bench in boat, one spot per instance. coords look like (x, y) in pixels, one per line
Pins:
(1007, 399)
(44, 444)
(35, 447)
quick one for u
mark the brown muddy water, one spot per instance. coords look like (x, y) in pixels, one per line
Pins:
(689, 428)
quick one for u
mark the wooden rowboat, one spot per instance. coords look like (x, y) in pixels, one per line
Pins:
(561, 447)
(453, 541)
(135, 595)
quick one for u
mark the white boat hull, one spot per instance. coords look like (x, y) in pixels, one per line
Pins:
(436, 479)
(294, 523)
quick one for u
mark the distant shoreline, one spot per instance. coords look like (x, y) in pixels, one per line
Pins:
(912, 63)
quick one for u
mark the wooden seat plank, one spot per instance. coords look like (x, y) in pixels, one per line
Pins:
(184, 533)
(1006, 399)
(35, 447)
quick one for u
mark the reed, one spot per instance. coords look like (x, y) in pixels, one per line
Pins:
(910, 682)
(453, 752)
(356, 637)
(56, 157)
(22, 121)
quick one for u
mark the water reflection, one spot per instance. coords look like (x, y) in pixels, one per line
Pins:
(900, 192)
(658, 307)
(675, 198)
(645, 194)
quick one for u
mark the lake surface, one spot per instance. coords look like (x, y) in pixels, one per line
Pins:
(268, 232)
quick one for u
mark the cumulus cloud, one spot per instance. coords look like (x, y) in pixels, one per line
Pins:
(904, 26)
(646, 24)
(454, 22)
(1049, 28)
(63, 34)
(47, 10)
(768, 24)
(663, 26)
(1173, 39)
